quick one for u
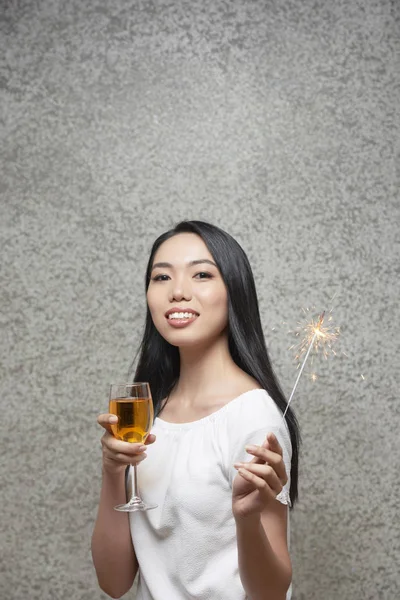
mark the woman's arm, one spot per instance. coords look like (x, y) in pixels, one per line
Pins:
(113, 554)
(264, 562)
(112, 550)
(261, 522)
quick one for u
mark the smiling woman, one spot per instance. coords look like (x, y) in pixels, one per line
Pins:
(185, 280)
(223, 466)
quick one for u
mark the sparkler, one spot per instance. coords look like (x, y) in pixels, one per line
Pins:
(316, 335)
(326, 336)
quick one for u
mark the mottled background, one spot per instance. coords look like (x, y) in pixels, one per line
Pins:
(278, 121)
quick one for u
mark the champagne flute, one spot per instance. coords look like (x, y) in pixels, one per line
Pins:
(133, 405)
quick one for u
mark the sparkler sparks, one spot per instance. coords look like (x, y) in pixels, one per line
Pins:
(321, 332)
(318, 334)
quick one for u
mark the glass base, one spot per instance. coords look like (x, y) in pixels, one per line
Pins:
(134, 505)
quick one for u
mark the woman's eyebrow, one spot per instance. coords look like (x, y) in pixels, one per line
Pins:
(200, 261)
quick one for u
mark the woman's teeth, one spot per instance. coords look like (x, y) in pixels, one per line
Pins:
(181, 315)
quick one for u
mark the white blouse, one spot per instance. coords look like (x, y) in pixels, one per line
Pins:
(186, 547)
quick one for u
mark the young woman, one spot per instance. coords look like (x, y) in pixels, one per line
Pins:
(220, 463)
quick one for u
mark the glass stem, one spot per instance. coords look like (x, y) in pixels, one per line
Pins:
(136, 493)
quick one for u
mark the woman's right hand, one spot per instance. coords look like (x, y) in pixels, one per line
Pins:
(117, 455)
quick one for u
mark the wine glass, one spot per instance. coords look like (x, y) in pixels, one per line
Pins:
(133, 405)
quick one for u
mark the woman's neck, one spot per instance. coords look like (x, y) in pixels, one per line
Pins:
(205, 372)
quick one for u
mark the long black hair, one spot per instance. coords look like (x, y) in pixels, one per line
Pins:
(159, 361)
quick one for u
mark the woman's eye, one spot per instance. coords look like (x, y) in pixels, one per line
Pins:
(201, 275)
(160, 278)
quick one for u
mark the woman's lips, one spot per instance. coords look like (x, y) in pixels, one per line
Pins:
(181, 322)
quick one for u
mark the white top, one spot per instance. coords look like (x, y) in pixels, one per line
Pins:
(186, 548)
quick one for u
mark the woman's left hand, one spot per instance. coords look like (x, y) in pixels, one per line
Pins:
(259, 481)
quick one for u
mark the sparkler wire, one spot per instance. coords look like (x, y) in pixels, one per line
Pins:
(316, 332)
(300, 372)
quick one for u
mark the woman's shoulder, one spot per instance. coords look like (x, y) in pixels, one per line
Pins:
(254, 413)
(252, 403)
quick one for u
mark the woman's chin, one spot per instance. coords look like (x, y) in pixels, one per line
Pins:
(183, 339)
(182, 343)
(186, 341)
(193, 337)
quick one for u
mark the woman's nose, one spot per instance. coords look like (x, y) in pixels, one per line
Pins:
(179, 291)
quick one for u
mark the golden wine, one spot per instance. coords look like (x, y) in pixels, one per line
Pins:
(135, 418)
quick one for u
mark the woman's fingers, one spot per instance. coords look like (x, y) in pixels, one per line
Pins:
(117, 453)
(264, 473)
(151, 438)
(119, 447)
(263, 455)
(273, 443)
(121, 453)
(106, 420)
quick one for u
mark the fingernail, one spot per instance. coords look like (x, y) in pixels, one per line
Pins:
(250, 448)
(238, 465)
(142, 448)
(113, 419)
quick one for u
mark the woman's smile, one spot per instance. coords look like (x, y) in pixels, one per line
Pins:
(178, 317)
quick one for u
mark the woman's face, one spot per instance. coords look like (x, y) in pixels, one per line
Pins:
(187, 297)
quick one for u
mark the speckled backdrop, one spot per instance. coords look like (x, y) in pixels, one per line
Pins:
(278, 121)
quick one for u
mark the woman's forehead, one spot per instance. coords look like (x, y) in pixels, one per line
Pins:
(183, 247)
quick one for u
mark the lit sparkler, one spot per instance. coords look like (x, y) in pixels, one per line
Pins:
(315, 334)
(325, 338)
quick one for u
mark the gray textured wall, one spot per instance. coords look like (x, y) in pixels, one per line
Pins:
(279, 121)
